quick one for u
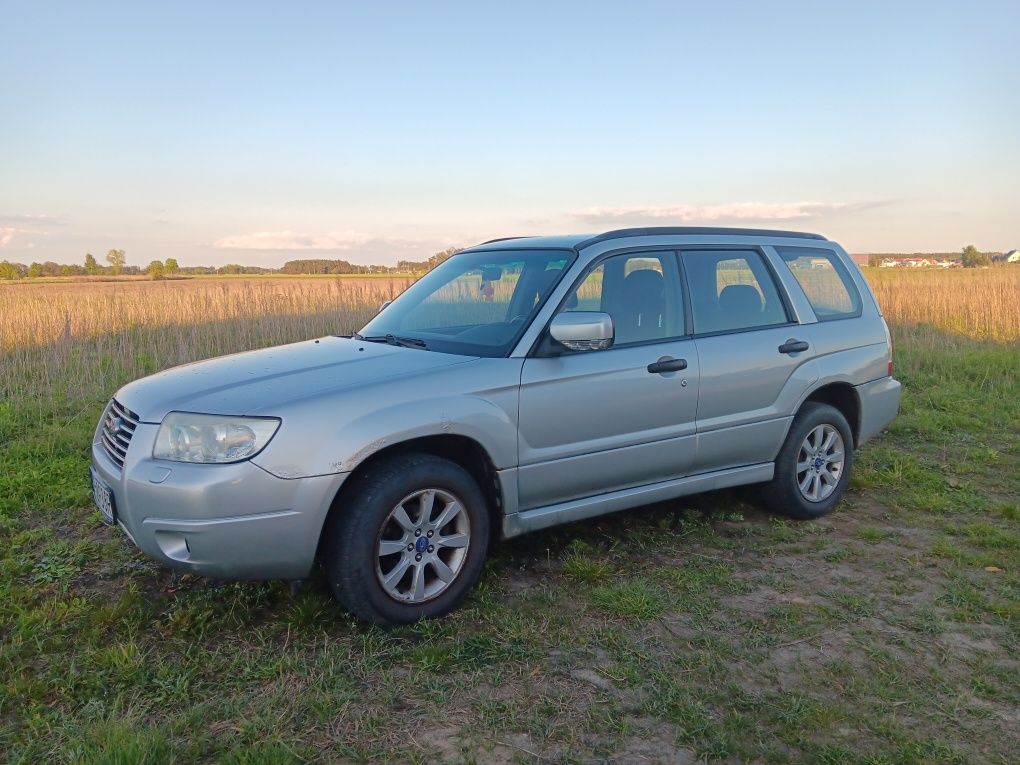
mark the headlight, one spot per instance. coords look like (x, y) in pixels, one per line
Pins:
(186, 437)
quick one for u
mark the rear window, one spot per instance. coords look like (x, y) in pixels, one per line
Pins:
(825, 281)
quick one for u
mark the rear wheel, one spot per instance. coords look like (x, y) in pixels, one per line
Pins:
(409, 541)
(813, 466)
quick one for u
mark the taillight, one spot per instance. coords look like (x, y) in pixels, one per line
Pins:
(888, 343)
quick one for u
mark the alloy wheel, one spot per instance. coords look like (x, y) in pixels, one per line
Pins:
(422, 545)
(820, 463)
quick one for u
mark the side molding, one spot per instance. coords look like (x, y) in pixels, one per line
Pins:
(579, 509)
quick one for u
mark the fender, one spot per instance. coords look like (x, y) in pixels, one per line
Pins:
(845, 368)
(474, 417)
(478, 400)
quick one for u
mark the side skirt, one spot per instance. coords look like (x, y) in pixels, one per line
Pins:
(624, 499)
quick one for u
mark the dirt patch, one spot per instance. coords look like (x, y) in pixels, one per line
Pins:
(655, 744)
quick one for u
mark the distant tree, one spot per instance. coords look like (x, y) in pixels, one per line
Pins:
(320, 266)
(442, 257)
(155, 269)
(170, 266)
(874, 261)
(971, 258)
(91, 266)
(116, 259)
(9, 270)
(35, 270)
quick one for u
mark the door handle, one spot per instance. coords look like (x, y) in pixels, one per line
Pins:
(666, 364)
(793, 345)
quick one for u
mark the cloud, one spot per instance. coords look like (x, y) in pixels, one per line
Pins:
(351, 245)
(12, 226)
(289, 240)
(732, 212)
(33, 220)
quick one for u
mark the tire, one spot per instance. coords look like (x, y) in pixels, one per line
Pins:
(378, 578)
(815, 425)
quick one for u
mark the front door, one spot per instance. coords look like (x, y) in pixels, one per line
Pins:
(597, 421)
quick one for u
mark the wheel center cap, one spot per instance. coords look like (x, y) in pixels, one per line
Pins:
(818, 462)
(421, 545)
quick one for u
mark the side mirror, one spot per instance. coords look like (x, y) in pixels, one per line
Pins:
(583, 330)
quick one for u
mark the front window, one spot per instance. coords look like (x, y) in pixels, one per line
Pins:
(475, 303)
(640, 291)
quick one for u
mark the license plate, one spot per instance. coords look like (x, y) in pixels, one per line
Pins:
(102, 495)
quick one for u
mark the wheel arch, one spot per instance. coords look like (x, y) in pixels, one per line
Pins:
(843, 397)
(461, 450)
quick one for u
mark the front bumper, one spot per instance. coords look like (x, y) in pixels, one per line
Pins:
(233, 521)
(880, 400)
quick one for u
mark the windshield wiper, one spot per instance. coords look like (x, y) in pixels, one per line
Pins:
(404, 342)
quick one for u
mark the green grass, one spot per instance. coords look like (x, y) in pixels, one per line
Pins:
(885, 633)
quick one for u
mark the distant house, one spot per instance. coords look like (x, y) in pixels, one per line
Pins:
(1013, 256)
(918, 260)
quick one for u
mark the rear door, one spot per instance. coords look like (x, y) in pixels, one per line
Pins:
(597, 421)
(755, 359)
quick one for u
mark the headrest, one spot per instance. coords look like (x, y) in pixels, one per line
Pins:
(740, 298)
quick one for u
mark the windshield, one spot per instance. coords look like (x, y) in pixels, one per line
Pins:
(475, 303)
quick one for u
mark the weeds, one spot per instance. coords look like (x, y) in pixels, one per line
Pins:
(885, 633)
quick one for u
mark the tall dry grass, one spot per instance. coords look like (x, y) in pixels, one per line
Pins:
(978, 303)
(36, 314)
(82, 340)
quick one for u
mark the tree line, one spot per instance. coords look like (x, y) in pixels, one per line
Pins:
(968, 257)
(116, 265)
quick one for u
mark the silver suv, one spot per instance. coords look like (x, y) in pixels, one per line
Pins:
(522, 384)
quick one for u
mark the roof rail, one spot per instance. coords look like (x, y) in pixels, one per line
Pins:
(695, 231)
(503, 239)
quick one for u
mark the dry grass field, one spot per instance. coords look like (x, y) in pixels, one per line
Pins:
(700, 630)
(76, 338)
(978, 303)
(73, 338)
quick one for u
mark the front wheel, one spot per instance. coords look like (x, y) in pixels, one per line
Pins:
(813, 466)
(409, 541)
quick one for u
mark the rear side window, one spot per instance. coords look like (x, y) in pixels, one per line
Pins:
(731, 290)
(825, 281)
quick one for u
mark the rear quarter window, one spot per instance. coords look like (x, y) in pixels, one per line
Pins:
(825, 281)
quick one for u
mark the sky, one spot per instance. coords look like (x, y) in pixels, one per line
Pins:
(250, 132)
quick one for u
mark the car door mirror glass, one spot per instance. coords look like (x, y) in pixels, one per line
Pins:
(583, 330)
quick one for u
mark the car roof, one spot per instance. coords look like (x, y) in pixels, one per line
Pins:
(578, 241)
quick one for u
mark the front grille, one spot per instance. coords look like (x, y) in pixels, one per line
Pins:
(116, 430)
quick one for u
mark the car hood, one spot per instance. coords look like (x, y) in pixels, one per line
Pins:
(258, 382)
